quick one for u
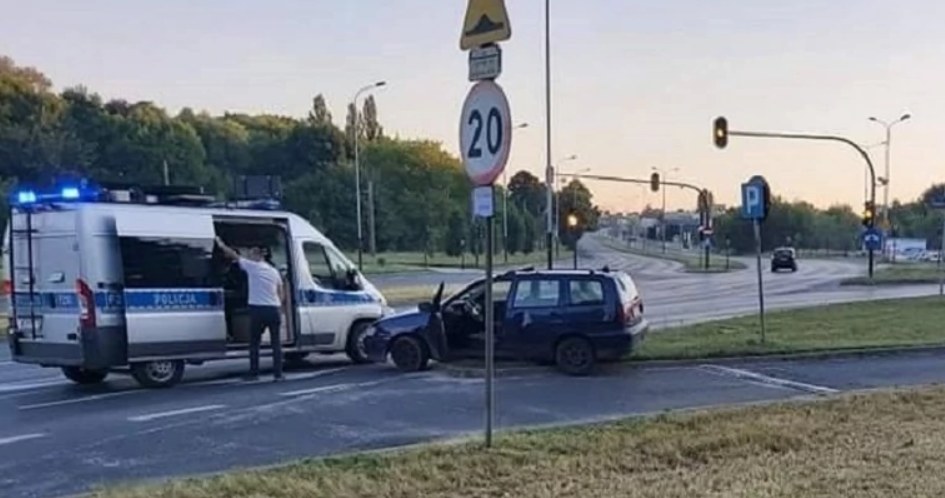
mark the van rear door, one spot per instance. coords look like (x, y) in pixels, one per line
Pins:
(44, 272)
(173, 301)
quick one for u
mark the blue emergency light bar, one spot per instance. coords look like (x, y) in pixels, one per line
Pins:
(25, 197)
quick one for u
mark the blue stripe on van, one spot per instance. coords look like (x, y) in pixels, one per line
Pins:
(158, 300)
(49, 301)
(321, 298)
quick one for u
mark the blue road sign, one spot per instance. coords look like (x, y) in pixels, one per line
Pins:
(872, 239)
(754, 205)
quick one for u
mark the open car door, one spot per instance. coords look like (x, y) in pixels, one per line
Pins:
(435, 330)
(173, 302)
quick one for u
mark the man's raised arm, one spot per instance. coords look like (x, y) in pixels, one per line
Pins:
(228, 251)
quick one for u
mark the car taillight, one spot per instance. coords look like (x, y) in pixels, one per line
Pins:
(86, 304)
(7, 287)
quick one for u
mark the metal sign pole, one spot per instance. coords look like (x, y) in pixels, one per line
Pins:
(941, 250)
(490, 337)
(761, 289)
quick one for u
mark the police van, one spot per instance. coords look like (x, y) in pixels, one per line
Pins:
(114, 277)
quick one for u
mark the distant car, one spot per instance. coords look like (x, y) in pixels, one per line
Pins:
(570, 318)
(784, 258)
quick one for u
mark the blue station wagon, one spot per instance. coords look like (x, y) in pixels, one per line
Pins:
(570, 318)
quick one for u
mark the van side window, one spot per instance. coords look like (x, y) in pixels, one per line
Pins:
(537, 294)
(155, 263)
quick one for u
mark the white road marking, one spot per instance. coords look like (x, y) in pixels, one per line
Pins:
(349, 385)
(771, 381)
(262, 379)
(173, 413)
(83, 399)
(13, 387)
(24, 437)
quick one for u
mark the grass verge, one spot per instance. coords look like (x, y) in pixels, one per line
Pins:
(879, 444)
(901, 274)
(397, 262)
(410, 295)
(872, 324)
(692, 262)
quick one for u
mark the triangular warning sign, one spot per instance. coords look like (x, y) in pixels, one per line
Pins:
(487, 21)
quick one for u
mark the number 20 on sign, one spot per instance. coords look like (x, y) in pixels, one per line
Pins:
(485, 132)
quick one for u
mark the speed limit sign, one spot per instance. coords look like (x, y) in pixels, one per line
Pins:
(485, 132)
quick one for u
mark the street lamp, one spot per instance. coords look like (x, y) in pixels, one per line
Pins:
(505, 205)
(888, 126)
(664, 177)
(357, 167)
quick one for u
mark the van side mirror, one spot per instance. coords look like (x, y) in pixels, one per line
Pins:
(353, 281)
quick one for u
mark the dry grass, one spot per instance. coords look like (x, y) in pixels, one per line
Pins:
(411, 295)
(877, 445)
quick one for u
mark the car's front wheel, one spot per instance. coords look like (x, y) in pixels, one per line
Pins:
(575, 356)
(409, 354)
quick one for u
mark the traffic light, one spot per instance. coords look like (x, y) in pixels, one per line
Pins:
(655, 182)
(720, 132)
(572, 221)
(868, 214)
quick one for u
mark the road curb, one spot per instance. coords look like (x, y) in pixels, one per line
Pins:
(800, 355)
(467, 372)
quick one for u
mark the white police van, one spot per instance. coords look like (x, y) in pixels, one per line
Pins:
(108, 277)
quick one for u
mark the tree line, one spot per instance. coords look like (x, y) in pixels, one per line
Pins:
(837, 228)
(416, 194)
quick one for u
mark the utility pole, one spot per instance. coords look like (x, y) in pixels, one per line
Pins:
(549, 170)
(372, 240)
(167, 174)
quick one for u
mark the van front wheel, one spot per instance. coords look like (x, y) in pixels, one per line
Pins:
(84, 376)
(164, 373)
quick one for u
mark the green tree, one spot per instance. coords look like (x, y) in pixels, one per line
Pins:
(456, 233)
(319, 115)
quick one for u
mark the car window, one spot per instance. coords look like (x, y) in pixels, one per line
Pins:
(537, 294)
(500, 291)
(628, 289)
(585, 292)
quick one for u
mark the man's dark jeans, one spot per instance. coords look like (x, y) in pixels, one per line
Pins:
(261, 318)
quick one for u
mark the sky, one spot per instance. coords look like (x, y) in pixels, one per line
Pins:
(635, 84)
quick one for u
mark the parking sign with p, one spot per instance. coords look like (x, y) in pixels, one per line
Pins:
(755, 198)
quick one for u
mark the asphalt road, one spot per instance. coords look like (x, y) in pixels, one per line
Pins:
(674, 297)
(57, 438)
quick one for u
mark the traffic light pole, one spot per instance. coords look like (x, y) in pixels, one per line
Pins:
(830, 138)
(697, 190)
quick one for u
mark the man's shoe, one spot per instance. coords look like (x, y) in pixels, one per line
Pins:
(278, 378)
(250, 377)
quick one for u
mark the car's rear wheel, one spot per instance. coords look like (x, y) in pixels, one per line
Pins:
(575, 356)
(84, 376)
(163, 373)
(409, 354)
(355, 348)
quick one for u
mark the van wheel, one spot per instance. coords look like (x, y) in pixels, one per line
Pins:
(84, 376)
(355, 348)
(575, 356)
(163, 373)
(409, 354)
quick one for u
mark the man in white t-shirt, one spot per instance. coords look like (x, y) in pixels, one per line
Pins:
(266, 301)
